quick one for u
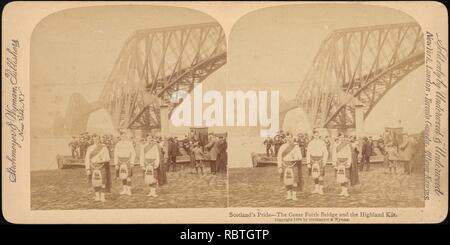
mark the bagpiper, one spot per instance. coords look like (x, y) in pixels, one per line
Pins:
(124, 157)
(96, 157)
(150, 157)
(341, 160)
(288, 159)
(316, 156)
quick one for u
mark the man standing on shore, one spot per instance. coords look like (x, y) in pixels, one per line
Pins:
(289, 161)
(172, 153)
(341, 159)
(316, 157)
(268, 142)
(150, 157)
(213, 151)
(97, 155)
(366, 153)
(124, 157)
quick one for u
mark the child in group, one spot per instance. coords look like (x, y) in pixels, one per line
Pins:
(392, 157)
(199, 157)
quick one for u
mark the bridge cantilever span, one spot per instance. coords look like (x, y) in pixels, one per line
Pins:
(157, 62)
(357, 65)
(154, 63)
(354, 64)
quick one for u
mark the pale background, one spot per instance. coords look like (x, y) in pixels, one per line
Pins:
(269, 49)
(73, 51)
(272, 49)
(24, 17)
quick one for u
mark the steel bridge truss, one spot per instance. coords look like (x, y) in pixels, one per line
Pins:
(358, 66)
(156, 63)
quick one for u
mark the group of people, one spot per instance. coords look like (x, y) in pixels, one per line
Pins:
(397, 152)
(273, 144)
(213, 151)
(155, 157)
(79, 144)
(98, 158)
(344, 154)
(317, 153)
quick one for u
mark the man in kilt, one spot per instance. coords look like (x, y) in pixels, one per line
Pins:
(124, 157)
(316, 157)
(289, 167)
(341, 160)
(150, 157)
(97, 155)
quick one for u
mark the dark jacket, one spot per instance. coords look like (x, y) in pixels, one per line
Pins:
(367, 149)
(172, 149)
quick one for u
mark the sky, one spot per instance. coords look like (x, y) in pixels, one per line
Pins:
(73, 51)
(273, 48)
(269, 49)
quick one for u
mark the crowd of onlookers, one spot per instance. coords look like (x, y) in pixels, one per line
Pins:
(213, 150)
(199, 153)
(79, 144)
(392, 152)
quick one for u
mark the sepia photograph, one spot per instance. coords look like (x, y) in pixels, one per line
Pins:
(351, 107)
(225, 112)
(102, 81)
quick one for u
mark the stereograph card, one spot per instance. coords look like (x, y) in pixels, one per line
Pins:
(225, 112)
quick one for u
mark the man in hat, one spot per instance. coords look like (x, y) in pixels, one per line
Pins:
(222, 155)
(124, 157)
(366, 153)
(82, 145)
(289, 167)
(163, 167)
(316, 157)
(213, 151)
(150, 157)
(97, 155)
(341, 159)
(172, 152)
(73, 144)
(268, 142)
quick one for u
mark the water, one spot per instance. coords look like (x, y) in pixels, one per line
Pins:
(45, 149)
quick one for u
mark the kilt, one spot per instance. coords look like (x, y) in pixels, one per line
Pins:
(150, 175)
(125, 168)
(98, 176)
(290, 175)
(342, 175)
(317, 167)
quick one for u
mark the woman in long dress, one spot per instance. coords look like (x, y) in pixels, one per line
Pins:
(162, 169)
(354, 177)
